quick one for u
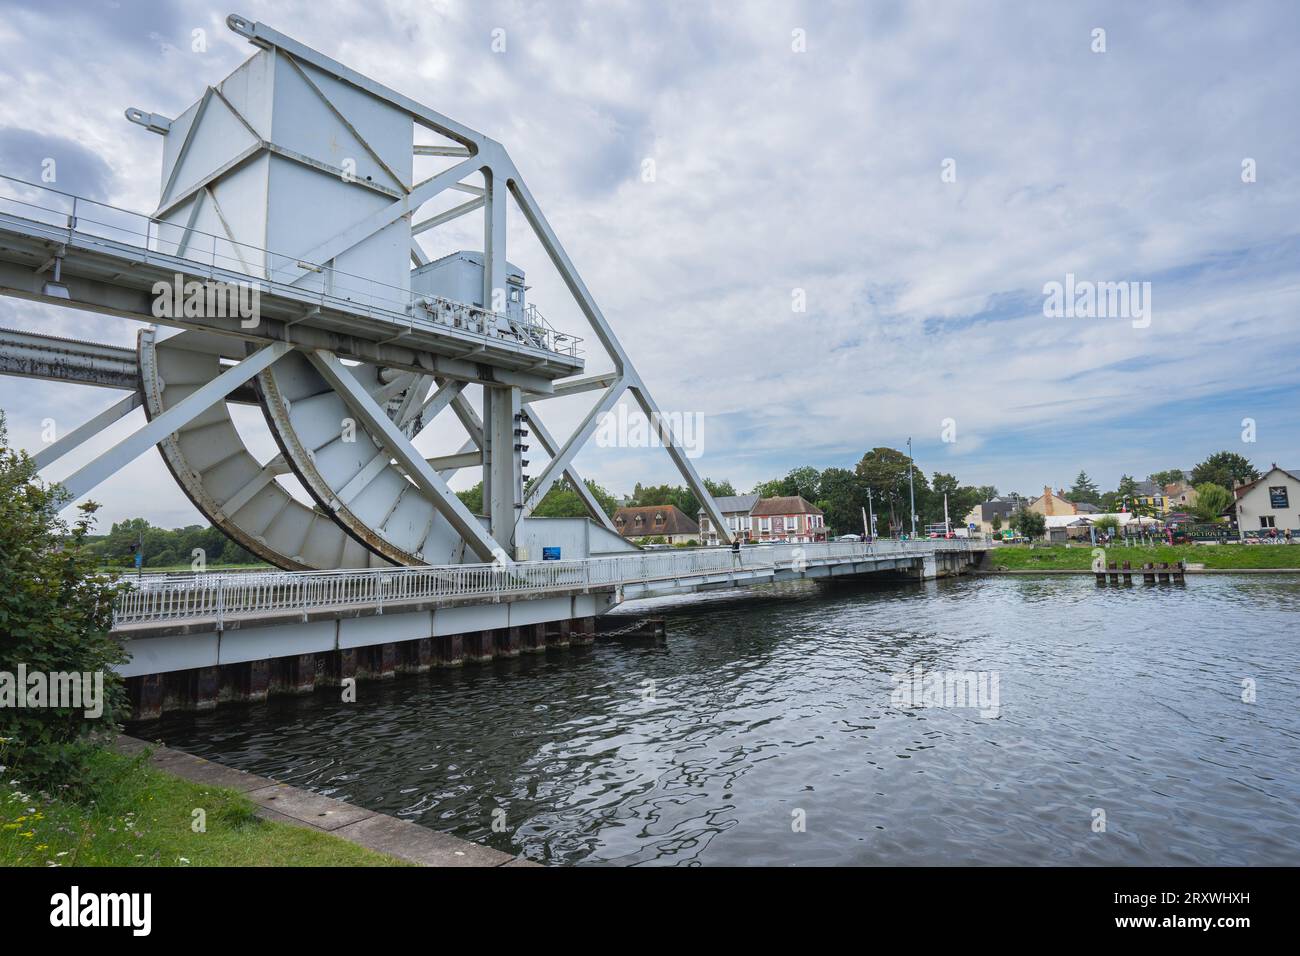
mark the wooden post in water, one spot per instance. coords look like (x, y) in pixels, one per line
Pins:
(1128, 576)
(1180, 571)
(1148, 573)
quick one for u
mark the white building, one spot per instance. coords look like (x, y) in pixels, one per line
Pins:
(1270, 503)
(736, 511)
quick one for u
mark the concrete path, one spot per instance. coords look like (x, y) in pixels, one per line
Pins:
(285, 804)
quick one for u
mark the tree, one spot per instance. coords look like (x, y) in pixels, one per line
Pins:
(843, 496)
(1029, 523)
(1126, 493)
(683, 498)
(961, 499)
(472, 498)
(719, 489)
(885, 472)
(987, 492)
(1224, 468)
(804, 481)
(1106, 524)
(55, 615)
(562, 501)
(996, 523)
(1211, 501)
(1085, 490)
(1170, 476)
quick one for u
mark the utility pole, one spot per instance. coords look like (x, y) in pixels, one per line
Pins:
(871, 526)
(911, 486)
(947, 525)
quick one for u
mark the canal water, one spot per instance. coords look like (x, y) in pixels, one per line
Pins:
(778, 726)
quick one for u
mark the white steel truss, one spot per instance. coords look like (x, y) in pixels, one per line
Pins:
(509, 398)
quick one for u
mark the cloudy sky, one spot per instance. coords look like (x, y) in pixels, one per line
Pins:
(917, 172)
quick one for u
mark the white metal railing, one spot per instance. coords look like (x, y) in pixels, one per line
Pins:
(220, 595)
(63, 216)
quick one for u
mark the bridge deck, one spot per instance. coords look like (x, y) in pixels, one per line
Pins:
(180, 604)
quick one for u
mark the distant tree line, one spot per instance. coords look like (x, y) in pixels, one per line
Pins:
(878, 482)
(166, 547)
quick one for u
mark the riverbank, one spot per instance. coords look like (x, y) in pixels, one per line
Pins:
(141, 815)
(1223, 557)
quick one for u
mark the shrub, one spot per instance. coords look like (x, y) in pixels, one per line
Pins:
(1029, 523)
(55, 616)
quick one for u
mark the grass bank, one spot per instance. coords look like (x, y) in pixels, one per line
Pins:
(140, 816)
(1079, 558)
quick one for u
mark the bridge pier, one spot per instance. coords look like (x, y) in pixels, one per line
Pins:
(207, 689)
(509, 641)
(557, 634)
(534, 638)
(450, 650)
(480, 647)
(259, 681)
(582, 630)
(416, 657)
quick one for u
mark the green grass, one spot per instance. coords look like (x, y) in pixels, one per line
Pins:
(1079, 557)
(143, 817)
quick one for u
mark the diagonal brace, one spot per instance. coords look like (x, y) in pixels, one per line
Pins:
(175, 418)
(416, 468)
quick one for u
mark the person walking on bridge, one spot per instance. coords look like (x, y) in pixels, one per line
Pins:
(735, 551)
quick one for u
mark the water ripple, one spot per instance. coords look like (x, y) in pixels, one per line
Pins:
(771, 736)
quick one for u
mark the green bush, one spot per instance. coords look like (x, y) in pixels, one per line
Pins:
(55, 616)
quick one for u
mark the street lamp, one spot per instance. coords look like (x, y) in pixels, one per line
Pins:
(911, 486)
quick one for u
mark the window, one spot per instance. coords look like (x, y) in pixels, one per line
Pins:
(1277, 498)
(1267, 521)
(765, 524)
(791, 522)
(659, 519)
(514, 295)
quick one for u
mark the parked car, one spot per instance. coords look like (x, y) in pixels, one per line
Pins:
(849, 537)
